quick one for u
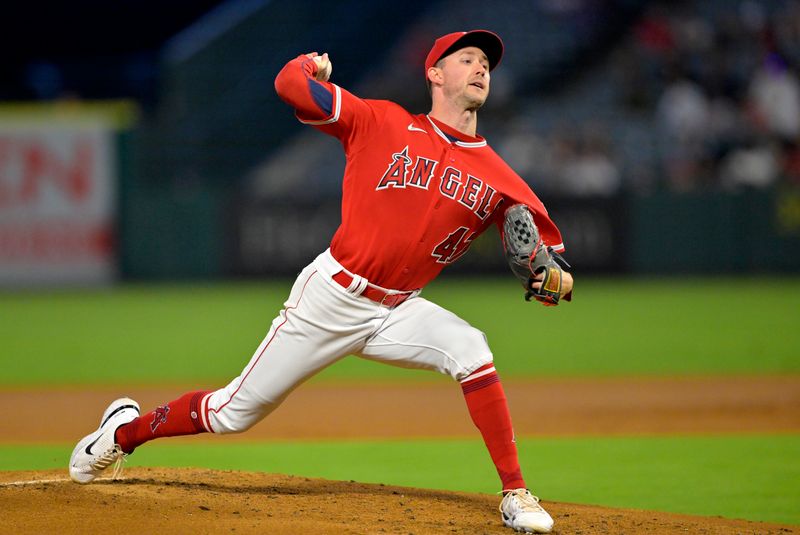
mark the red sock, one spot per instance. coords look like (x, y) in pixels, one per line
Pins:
(486, 401)
(176, 418)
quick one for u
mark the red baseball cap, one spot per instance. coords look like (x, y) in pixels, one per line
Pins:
(487, 41)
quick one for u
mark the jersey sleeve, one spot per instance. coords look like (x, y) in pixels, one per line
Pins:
(518, 193)
(324, 105)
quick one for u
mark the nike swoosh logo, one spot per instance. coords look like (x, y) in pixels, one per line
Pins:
(412, 128)
(120, 408)
(89, 447)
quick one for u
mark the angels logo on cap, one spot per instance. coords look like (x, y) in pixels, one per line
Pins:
(487, 41)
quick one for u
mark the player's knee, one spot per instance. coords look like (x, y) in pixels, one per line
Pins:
(237, 416)
(230, 422)
(473, 353)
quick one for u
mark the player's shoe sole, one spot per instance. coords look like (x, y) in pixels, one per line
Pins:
(97, 451)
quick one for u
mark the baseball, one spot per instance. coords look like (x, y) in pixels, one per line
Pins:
(324, 67)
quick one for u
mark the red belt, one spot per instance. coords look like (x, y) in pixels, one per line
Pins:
(371, 292)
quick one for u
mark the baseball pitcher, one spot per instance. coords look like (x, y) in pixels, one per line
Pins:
(417, 190)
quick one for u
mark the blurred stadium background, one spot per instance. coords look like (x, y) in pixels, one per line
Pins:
(144, 141)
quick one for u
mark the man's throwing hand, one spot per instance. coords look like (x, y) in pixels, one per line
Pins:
(324, 66)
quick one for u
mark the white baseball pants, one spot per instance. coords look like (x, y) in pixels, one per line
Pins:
(322, 322)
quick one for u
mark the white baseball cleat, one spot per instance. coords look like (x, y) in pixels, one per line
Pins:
(521, 511)
(97, 451)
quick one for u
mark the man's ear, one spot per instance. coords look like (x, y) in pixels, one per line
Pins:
(434, 75)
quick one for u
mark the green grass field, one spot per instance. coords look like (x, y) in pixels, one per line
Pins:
(167, 334)
(191, 333)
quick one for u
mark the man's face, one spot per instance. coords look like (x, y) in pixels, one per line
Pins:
(465, 75)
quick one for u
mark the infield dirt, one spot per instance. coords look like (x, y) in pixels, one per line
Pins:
(178, 501)
(204, 501)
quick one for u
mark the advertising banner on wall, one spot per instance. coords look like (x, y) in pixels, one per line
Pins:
(272, 238)
(57, 202)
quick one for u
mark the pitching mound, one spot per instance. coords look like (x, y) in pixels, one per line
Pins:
(205, 501)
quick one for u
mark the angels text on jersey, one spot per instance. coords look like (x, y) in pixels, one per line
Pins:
(473, 193)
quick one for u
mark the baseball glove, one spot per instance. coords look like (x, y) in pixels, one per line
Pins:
(528, 256)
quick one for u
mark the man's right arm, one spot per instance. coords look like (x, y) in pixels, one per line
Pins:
(315, 102)
(323, 104)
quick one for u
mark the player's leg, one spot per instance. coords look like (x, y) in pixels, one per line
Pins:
(488, 408)
(313, 332)
(190, 413)
(421, 334)
(175, 418)
(318, 326)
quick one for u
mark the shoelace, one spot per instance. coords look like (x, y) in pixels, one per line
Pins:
(114, 455)
(528, 501)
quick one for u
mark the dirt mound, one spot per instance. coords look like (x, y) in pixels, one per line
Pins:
(180, 501)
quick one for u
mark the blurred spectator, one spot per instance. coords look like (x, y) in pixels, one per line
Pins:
(682, 115)
(683, 112)
(654, 32)
(722, 86)
(753, 16)
(523, 149)
(634, 80)
(775, 97)
(591, 171)
(570, 161)
(756, 165)
(727, 127)
(787, 32)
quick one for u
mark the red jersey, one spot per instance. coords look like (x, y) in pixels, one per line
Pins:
(416, 192)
